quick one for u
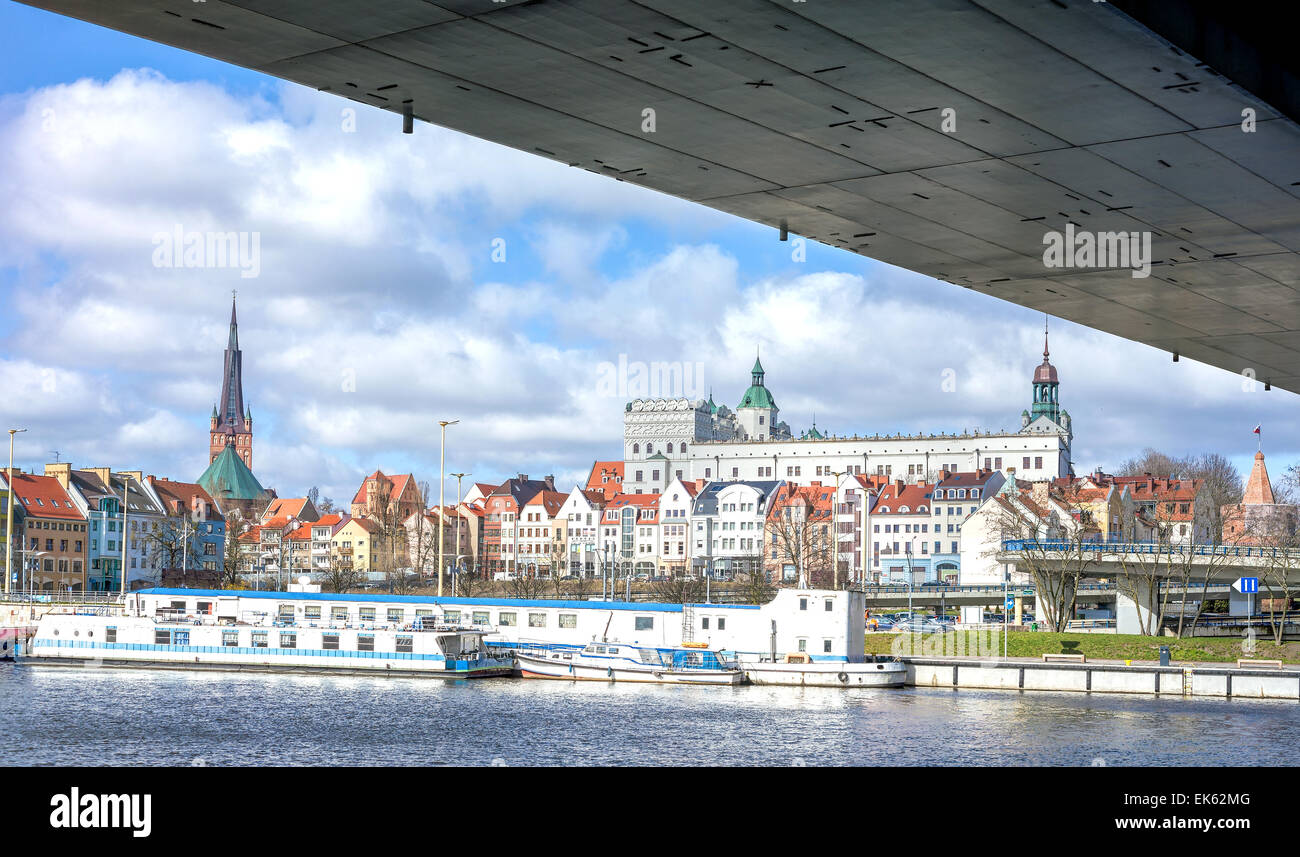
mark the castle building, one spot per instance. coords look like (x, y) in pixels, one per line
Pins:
(232, 422)
(666, 439)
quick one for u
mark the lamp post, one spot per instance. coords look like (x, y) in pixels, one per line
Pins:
(459, 476)
(835, 536)
(9, 511)
(442, 480)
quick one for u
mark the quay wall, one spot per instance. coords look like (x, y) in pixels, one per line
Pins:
(1224, 682)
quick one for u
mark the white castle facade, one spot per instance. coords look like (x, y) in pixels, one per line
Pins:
(665, 439)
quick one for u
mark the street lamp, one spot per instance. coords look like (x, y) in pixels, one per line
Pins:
(9, 511)
(459, 520)
(442, 480)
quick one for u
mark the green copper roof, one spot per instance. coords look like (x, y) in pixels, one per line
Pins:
(228, 478)
(758, 367)
(757, 396)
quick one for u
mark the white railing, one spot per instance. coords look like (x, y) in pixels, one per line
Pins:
(47, 596)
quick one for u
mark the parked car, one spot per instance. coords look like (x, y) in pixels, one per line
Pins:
(923, 626)
(933, 583)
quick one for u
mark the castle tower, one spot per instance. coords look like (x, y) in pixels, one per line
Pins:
(231, 421)
(1046, 386)
(757, 411)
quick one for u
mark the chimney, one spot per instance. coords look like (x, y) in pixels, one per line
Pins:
(1038, 491)
(61, 471)
(137, 475)
(550, 482)
(898, 487)
(523, 477)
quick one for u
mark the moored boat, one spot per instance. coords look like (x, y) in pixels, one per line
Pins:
(426, 649)
(799, 669)
(606, 661)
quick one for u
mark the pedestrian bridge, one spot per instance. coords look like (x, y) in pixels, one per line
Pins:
(1107, 559)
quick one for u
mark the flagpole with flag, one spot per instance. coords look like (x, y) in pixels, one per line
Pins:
(1260, 438)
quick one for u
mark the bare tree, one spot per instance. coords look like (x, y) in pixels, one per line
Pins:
(232, 559)
(678, 590)
(524, 586)
(340, 577)
(755, 588)
(803, 541)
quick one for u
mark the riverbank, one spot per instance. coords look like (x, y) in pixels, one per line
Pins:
(1112, 647)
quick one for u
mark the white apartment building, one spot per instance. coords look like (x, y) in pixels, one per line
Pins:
(580, 515)
(727, 526)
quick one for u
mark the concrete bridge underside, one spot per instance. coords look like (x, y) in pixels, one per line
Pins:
(943, 136)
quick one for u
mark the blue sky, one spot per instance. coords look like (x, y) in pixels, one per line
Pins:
(376, 265)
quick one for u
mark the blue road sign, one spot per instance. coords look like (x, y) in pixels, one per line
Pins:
(1011, 604)
(1246, 585)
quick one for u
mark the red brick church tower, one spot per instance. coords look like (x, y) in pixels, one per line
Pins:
(232, 423)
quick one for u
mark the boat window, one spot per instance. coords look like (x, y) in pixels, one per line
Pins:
(396, 615)
(600, 650)
(230, 638)
(536, 620)
(613, 650)
(285, 610)
(481, 617)
(288, 640)
(259, 639)
(405, 644)
(829, 603)
(649, 656)
(365, 643)
(329, 641)
(568, 620)
(803, 603)
(205, 607)
(826, 645)
(419, 614)
(339, 613)
(180, 638)
(722, 623)
(645, 623)
(110, 634)
(506, 619)
(162, 638)
(451, 617)
(311, 611)
(704, 623)
(367, 614)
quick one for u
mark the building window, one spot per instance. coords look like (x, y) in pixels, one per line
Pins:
(1038, 462)
(803, 644)
(367, 614)
(803, 603)
(829, 603)
(339, 614)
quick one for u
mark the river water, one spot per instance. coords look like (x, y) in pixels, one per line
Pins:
(72, 716)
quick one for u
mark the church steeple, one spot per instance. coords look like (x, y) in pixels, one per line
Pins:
(232, 425)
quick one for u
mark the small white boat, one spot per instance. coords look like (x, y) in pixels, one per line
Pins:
(624, 662)
(799, 669)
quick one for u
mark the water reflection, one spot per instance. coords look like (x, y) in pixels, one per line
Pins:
(66, 716)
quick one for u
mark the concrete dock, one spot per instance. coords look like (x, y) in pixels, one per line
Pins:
(1225, 681)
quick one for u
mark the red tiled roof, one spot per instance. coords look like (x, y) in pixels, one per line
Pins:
(550, 500)
(911, 496)
(606, 477)
(286, 506)
(178, 497)
(398, 483)
(44, 497)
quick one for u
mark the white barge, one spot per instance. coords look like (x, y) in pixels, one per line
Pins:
(824, 629)
(612, 662)
(201, 638)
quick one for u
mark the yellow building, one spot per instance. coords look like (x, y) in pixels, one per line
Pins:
(353, 545)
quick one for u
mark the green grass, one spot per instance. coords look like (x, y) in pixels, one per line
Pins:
(1032, 644)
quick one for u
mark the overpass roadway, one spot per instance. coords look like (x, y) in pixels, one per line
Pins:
(949, 137)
